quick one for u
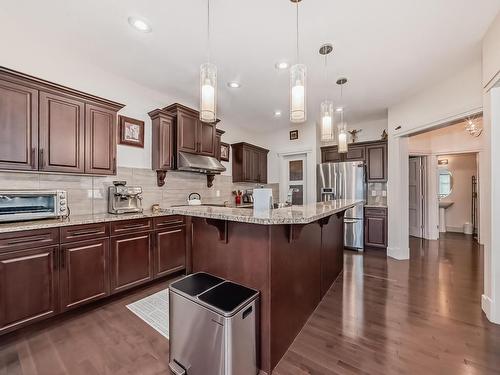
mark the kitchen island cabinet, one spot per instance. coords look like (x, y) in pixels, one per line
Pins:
(291, 255)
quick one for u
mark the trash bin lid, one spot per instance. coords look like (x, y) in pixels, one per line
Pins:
(197, 283)
(228, 297)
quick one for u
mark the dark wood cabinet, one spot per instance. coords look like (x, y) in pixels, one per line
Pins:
(53, 128)
(131, 260)
(100, 140)
(18, 126)
(192, 135)
(374, 154)
(218, 140)
(376, 227)
(62, 133)
(163, 140)
(376, 163)
(28, 287)
(249, 163)
(170, 250)
(83, 272)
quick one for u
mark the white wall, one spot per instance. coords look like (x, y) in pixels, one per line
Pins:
(462, 168)
(454, 97)
(371, 130)
(491, 54)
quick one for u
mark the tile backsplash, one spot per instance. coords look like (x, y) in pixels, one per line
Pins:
(89, 194)
(377, 193)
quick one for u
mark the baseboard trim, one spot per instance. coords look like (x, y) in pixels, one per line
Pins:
(398, 254)
(489, 309)
(455, 229)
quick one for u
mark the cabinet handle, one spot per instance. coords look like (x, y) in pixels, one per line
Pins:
(170, 223)
(114, 164)
(20, 241)
(133, 226)
(85, 232)
(41, 161)
(32, 158)
(63, 259)
(172, 161)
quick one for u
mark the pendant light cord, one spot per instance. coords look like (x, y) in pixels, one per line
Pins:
(208, 30)
(297, 21)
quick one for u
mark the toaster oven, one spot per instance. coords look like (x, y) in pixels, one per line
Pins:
(20, 205)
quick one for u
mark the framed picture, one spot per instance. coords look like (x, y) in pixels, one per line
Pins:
(224, 151)
(131, 132)
(294, 134)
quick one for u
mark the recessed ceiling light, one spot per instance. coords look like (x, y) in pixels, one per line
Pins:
(139, 24)
(277, 113)
(234, 85)
(281, 65)
(339, 109)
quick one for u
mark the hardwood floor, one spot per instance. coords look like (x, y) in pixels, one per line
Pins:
(398, 317)
(382, 316)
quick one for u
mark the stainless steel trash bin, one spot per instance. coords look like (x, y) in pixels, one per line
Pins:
(212, 327)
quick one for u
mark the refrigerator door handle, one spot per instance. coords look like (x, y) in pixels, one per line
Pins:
(350, 221)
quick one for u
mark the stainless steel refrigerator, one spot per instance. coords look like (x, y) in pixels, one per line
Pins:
(345, 181)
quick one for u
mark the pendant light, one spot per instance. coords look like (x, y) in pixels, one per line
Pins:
(297, 82)
(342, 127)
(208, 83)
(327, 111)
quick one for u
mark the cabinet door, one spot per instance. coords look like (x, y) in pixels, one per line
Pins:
(170, 250)
(163, 147)
(255, 166)
(376, 163)
(62, 137)
(131, 261)
(376, 231)
(187, 129)
(18, 127)
(330, 155)
(206, 139)
(83, 272)
(28, 287)
(355, 153)
(247, 165)
(100, 140)
(263, 167)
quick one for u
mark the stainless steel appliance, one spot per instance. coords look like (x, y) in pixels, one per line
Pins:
(124, 199)
(18, 205)
(345, 181)
(212, 327)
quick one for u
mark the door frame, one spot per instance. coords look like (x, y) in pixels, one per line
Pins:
(423, 195)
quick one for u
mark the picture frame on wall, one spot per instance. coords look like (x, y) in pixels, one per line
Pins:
(294, 135)
(131, 132)
(224, 151)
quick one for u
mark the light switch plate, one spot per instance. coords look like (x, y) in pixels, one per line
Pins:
(384, 193)
(374, 193)
(217, 193)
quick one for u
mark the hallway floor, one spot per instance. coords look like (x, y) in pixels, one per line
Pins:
(383, 316)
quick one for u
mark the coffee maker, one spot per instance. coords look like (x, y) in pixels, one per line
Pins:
(124, 199)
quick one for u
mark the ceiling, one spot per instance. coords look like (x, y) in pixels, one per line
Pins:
(388, 49)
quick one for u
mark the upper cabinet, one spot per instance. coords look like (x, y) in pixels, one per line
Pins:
(193, 135)
(218, 137)
(249, 163)
(374, 154)
(53, 128)
(163, 140)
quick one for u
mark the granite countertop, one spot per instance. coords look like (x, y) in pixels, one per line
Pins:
(73, 220)
(288, 215)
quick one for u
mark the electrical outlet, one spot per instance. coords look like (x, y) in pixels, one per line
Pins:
(217, 193)
(374, 193)
(384, 193)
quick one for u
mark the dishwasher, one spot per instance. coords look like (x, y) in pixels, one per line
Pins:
(213, 324)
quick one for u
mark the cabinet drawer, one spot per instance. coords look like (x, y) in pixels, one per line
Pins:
(168, 221)
(355, 153)
(131, 226)
(28, 239)
(84, 232)
(371, 211)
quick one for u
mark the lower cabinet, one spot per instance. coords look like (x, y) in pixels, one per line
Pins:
(83, 272)
(28, 286)
(376, 227)
(170, 250)
(131, 261)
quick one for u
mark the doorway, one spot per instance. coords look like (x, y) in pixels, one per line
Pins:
(416, 189)
(294, 178)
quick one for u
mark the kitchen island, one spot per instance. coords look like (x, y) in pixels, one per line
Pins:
(291, 255)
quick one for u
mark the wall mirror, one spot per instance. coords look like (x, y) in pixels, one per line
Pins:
(445, 183)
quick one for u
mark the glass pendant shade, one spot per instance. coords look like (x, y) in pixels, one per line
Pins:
(208, 93)
(298, 93)
(327, 113)
(342, 138)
